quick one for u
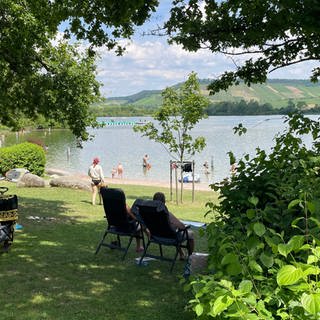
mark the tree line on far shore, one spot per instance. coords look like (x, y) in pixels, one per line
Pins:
(223, 108)
(226, 108)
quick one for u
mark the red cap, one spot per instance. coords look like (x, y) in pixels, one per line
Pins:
(96, 160)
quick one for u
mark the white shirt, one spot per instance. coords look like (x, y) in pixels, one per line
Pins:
(95, 172)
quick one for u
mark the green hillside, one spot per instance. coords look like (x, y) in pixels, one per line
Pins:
(277, 92)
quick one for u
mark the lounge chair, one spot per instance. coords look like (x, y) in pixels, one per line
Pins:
(8, 218)
(154, 216)
(118, 222)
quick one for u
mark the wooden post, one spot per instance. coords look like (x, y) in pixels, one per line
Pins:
(193, 181)
(176, 176)
(170, 180)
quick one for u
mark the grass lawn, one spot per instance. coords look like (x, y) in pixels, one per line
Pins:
(51, 271)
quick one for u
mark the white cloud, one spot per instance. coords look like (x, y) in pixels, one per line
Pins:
(150, 63)
(154, 65)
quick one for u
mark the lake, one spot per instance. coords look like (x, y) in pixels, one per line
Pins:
(120, 144)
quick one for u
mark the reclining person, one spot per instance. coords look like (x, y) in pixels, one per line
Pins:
(177, 224)
(119, 214)
(132, 219)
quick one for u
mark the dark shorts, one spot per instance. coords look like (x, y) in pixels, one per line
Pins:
(96, 182)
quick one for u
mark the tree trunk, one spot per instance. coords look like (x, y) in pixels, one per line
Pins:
(177, 198)
(181, 177)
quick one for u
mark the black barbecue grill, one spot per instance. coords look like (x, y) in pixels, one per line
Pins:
(8, 218)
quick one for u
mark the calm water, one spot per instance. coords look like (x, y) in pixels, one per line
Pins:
(115, 144)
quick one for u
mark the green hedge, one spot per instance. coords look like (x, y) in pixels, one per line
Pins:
(24, 155)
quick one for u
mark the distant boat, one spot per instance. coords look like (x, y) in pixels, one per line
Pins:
(115, 123)
(142, 122)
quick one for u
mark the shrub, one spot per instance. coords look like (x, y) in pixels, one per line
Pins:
(264, 245)
(24, 155)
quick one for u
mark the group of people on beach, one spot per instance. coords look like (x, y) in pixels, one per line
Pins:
(117, 171)
(96, 174)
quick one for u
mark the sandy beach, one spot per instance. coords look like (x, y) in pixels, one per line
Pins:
(125, 181)
(162, 184)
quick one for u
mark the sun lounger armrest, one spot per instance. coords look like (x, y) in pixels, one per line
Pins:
(187, 226)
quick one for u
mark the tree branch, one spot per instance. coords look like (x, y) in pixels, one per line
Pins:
(292, 63)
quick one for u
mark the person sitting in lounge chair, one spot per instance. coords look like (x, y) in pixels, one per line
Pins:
(176, 224)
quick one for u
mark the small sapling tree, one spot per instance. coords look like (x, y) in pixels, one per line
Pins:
(181, 110)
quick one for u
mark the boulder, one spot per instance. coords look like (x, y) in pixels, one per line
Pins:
(198, 263)
(16, 174)
(71, 182)
(58, 172)
(31, 180)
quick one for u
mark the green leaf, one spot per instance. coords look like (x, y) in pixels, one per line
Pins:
(284, 249)
(288, 275)
(302, 286)
(234, 268)
(293, 203)
(199, 309)
(305, 247)
(221, 304)
(316, 221)
(245, 286)
(295, 221)
(312, 259)
(253, 200)
(272, 243)
(312, 270)
(253, 244)
(250, 299)
(226, 284)
(296, 242)
(253, 265)
(251, 213)
(259, 229)
(311, 207)
(259, 277)
(311, 302)
(229, 258)
(316, 252)
(252, 316)
(266, 259)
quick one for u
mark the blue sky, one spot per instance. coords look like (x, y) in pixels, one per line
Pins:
(150, 63)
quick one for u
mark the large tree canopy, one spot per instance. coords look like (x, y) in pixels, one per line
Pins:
(41, 76)
(278, 33)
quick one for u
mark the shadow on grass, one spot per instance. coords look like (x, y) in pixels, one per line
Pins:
(51, 272)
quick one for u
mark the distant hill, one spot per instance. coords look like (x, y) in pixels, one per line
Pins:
(277, 92)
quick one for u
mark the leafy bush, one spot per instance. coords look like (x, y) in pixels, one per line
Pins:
(264, 244)
(24, 155)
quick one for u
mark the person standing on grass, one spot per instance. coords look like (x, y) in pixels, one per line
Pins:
(96, 174)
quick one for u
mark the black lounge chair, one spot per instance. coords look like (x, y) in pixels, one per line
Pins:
(118, 222)
(8, 218)
(154, 216)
